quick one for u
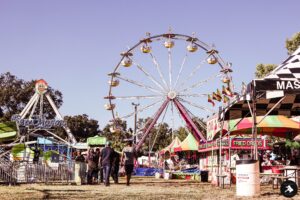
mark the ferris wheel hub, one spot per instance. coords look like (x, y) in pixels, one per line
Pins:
(172, 94)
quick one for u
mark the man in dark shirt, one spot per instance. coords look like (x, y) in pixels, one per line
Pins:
(106, 159)
(96, 170)
(36, 150)
(115, 167)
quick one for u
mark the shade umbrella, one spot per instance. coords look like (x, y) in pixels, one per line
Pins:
(188, 144)
(276, 125)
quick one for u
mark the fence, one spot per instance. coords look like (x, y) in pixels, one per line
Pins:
(8, 170)
(63, 173)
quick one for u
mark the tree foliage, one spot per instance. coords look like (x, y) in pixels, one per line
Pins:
(15, 93)
(181, 133)
(293, 43)
(120, 134)
(263, 69)
(81, 126)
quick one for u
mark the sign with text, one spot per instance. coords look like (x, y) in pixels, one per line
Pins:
(271, 84)
(242, 143)
(38, 122)
(214, 126)
(237, 143)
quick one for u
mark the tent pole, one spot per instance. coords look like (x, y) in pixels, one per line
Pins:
(254, 125)
(220, 149)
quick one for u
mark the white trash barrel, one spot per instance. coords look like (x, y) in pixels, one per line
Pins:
(247, 178)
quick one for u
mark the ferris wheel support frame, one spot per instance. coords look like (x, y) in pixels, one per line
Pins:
(156, 116)
(192, 126)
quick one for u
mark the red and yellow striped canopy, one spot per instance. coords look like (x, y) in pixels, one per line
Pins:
(276, 125)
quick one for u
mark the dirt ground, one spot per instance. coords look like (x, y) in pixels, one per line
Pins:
(141, 188)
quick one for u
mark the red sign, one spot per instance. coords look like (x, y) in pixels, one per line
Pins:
(236, 143)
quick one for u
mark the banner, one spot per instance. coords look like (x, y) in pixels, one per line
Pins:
(271, 84)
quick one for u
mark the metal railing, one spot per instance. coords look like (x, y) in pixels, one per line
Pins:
(40, 172)
(8, 170)
(12, 172)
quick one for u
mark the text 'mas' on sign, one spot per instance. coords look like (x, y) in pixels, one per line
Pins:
(271, 84)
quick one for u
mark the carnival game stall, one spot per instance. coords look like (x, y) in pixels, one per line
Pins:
(235, 147)
(276, 94)
(181, 158)
(188, 159)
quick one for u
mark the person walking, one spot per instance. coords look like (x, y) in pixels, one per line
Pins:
(106, 158)
(128, 155)
(96, 170)
(80, 168)
(100, 168)
(91, 166)
(115, 167)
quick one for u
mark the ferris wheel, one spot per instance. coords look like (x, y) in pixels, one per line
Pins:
(172, 77)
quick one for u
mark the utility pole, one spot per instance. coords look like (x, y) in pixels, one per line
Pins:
(135, 121)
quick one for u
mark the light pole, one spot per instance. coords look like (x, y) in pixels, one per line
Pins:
(135, 121)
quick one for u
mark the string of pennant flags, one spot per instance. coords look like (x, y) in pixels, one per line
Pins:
(226, 94)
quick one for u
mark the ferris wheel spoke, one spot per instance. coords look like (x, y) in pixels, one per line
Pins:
(194, 71)
(197, 105)
(138, 97)
(192, 95)
(139, 84)
(158, 69)
(150, 77)
(199, 83)
(180, 70)
(170, 67)
(141, 109)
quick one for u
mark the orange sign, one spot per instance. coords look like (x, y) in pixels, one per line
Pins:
(41, 86)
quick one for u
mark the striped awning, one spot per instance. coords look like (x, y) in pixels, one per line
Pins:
(276, 125)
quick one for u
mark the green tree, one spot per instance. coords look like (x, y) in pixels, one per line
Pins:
(293, 43)
(263, 69)
(81, 126)
(160, 136)
(119, 135)
(15, 93)
(181, 133)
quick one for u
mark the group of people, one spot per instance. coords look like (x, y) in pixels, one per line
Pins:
(101, 164)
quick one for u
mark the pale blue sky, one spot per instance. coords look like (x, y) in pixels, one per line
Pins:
(73, 44)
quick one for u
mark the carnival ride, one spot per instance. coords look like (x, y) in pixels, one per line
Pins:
(195, 69)
(26, 128)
